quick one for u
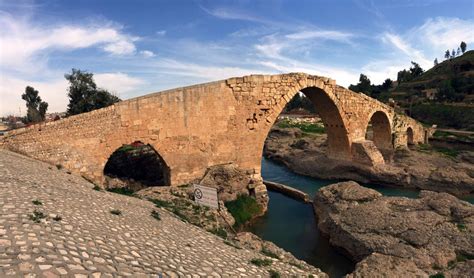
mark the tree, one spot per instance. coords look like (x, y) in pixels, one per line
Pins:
(36, 109)
(416, 70)
(84, 96)
(363, 86)
(446, 54)
(435, 61)
(463, 47)
(453, 54)
(387, 84)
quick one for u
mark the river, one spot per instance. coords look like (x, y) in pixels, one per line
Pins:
(291, 224)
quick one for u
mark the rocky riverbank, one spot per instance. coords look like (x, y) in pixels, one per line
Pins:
(420, 167)
(397, 236)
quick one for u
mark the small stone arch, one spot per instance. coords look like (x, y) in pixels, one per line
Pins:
(138, 162)
(379, 130)
(410, 140)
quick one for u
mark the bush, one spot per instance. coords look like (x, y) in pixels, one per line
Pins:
(243, 209)
(274, 274)
(261, 262)
(459, 117)
(155, 214)
(122, 191)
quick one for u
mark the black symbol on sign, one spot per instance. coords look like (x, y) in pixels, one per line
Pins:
(197, 193)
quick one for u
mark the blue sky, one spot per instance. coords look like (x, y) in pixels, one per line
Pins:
(138, 47)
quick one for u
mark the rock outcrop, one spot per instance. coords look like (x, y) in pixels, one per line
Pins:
(397, 236)
(306, 154)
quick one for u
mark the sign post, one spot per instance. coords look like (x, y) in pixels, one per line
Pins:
(206, 196)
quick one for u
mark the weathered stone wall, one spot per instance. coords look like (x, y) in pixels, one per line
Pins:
(196, 127)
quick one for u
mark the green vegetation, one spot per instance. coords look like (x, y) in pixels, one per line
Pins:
(37, 216)
(122, 191)
(220, 232)
(243, 209)
(461, 117)
(116, 212)
(160, 203)
(36, 109)
(461, 227)
(37, 202)
(126, 148)
(274, 273)
(305, 127)
(437, 275)
(300, 101)
(84, 96)
(97, 188)
(232, 244)
(444, 151)
(269, 253)
(155, 214)
(261, 262)
(57, 218)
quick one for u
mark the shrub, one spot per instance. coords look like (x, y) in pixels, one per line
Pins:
(220, 232)
(37, 216)
(155, 214)
(261, 262)
(243, 209)
(437, 275)
(116, 212)
(269, 253)
(122, 191)
(161, 203)
(97, 188)
(274, 274)
(37, 202)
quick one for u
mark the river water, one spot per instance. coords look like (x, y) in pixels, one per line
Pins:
(291, 224)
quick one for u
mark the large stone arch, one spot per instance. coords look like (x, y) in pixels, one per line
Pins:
(382, 130)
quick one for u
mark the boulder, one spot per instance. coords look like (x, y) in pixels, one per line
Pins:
(397, 236)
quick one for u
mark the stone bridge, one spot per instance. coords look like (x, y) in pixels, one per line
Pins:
(196, 127)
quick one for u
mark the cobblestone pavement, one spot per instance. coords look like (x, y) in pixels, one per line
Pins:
(79, 235)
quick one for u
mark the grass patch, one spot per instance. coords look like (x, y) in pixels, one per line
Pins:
(123, 191)
(116, 212)
(274, 273)
(37, 202)
(57, 218)
(220, 232)
(243, 209)
(261, 262)
(269, 253)
(445, 151)
(461, 227)
(437, 275)
(181, 215)
(232, 244)
(305, 127)
(97, 188)
(36, 216)
(161, 203)
(155, 214)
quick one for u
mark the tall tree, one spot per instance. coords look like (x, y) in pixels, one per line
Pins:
(415, 70)
(84, 96)
(36, 108)
(435, 61)
(387, 84)
(363, 86)
(446, 54)
(453, 54)
(463, 47)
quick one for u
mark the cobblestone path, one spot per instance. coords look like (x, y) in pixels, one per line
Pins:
(78, 234)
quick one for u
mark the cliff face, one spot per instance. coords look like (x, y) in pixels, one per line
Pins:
(398, 236)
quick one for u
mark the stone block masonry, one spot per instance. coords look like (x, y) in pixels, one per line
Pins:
(196, 127)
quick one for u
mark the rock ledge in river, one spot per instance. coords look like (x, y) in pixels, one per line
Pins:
(398, 236)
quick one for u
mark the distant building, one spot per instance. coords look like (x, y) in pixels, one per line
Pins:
(430, 93)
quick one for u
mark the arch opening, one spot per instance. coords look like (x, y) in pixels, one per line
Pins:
(410, 141)
(320, 127)
(379, 131)
(135, 166)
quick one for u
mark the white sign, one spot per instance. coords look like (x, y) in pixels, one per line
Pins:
(206, 196)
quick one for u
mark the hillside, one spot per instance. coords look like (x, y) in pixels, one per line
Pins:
(443, 95)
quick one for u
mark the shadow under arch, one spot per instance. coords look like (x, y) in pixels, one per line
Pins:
(410, 136)
(138, 162)
(378, 130)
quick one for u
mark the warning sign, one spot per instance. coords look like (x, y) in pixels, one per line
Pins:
(206, 196)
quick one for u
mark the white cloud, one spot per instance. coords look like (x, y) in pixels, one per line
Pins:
(321, 34)
(119, 83)
(161, 32)
(147, 53)
(25, 43)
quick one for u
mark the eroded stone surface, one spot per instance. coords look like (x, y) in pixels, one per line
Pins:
(80, 237)
(397, 236)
